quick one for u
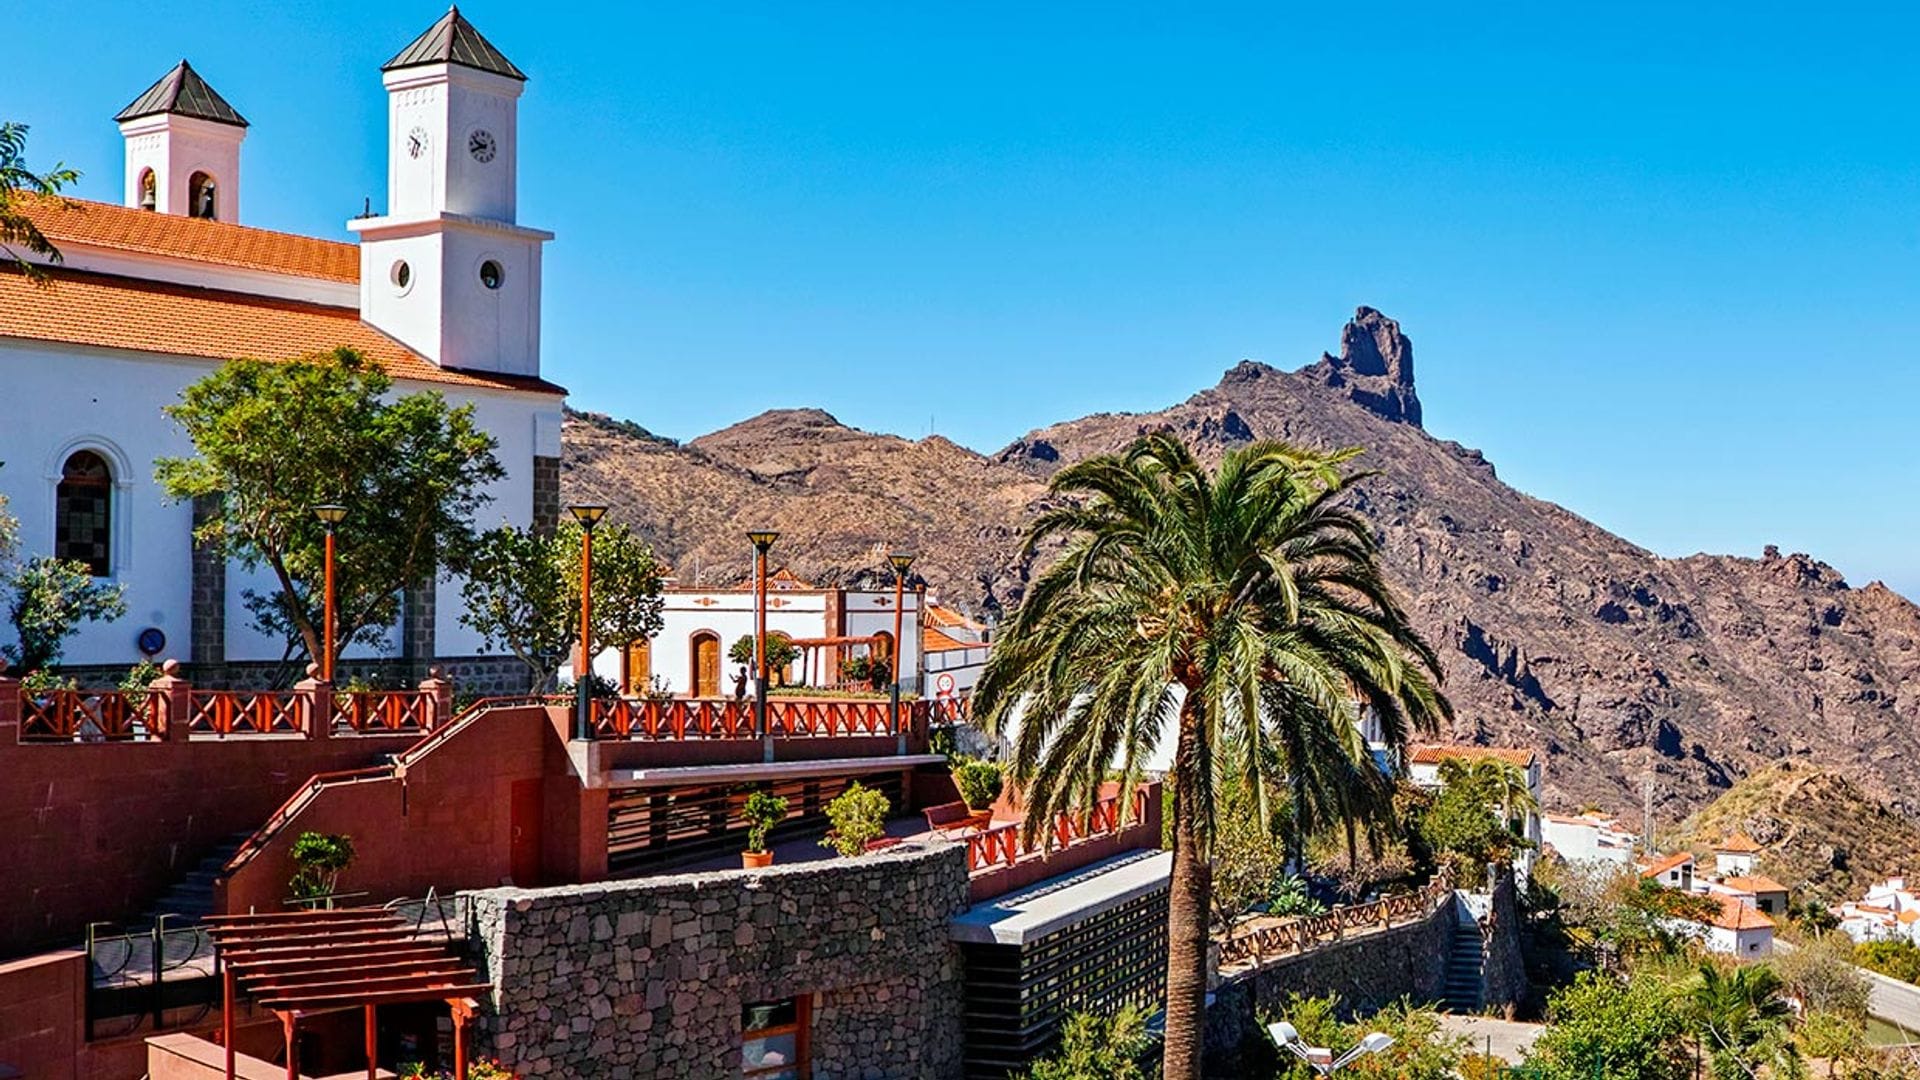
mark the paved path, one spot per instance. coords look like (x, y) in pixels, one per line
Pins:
(1896, 1002)
(1510, 1040)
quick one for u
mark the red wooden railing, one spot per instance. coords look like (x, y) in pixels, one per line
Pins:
(220, 713)
(383, 712)
(788, 717)
(1303, 932)
(91, 716)
(1002, 845)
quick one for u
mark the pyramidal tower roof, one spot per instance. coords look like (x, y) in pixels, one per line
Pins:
(182, 92)
(453, 40)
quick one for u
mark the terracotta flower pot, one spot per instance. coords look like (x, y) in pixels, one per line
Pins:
(753, 860)
(980, 819)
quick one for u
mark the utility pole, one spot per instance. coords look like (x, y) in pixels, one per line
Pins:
(1646, 814)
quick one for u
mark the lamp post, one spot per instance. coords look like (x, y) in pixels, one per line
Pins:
(901, 560)
(1319, 1058)
(762, 543)
(588, 515)
(330, 515)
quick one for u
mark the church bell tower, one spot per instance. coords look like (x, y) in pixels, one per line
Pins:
(183, 148)
(448, 270)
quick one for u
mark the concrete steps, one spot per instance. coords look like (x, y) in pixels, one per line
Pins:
(1466, 971)
(190, 899)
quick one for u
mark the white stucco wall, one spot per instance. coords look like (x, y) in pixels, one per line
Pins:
(110, 401)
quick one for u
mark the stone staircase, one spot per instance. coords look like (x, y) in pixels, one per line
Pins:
(190, 899)
(1466, 975)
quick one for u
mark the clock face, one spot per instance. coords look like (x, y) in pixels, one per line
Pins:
(480, 144)
(416, 142)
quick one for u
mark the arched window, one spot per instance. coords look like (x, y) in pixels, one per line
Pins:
(83, 513)
(149, 194)
(203, 200)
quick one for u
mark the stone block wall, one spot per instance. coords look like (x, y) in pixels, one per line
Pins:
(1504, 965)
(648, 978)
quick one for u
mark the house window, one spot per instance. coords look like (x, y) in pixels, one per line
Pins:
(203, 198)
(774, 1038)
(83, 513)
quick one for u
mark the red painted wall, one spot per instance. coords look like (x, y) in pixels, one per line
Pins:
(97, 831)
(43, 1014)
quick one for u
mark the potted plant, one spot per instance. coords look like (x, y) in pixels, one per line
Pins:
(763, 812)
(318, 859)
(980, 783)
(859, 816)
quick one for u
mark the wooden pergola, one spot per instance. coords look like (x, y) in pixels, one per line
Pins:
(831, 650)
(301, 963)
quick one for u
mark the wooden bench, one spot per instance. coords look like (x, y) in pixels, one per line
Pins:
(950, 817)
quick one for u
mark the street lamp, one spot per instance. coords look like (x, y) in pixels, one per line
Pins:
(762, 540)
(588, 515)
(1319, 1058)
(330, 515)
(901, 560)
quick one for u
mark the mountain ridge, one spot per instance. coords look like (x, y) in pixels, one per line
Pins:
(1620, 663)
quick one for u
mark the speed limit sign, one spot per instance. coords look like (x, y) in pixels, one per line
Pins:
(944, 683)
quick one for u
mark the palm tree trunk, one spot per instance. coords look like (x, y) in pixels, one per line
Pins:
(1189, 900)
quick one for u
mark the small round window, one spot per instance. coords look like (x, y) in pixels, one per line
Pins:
(491, 275)
(401, 275)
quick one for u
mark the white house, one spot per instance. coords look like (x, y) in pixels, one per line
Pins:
(1588, 838)
(1673, 871)
(1423, 768)
(1737, 929)
(1734, 856)
(443, 290)
(956, 649)
(1889, 911)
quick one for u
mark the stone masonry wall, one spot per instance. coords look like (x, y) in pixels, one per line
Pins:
(1367, 972)
(647, 978)
(1504, 966)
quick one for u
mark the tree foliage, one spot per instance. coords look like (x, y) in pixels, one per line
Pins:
(318, 860)
(1819, 970)
(17, 182)
(781, 653)
(1421, 1049)
(1245, 606)
(1600, 1028)
(48, 601)
(1740, 1015)
(274, 440)
(1472, 820)
(522, 593)
(858, 814)
(1895, 959)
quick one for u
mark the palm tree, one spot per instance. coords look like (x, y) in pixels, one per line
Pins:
(16, 228)
(1741, 1018)
(1246, 605)
(1503, 784)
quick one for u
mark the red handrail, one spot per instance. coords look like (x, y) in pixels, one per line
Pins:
(789, 717)
(91, 716)
(221, 713)
(1002, 845)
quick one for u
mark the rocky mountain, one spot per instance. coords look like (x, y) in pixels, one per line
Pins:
(1621, 664)
(1820, 833)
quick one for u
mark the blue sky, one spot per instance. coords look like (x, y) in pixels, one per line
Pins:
(1659, 260)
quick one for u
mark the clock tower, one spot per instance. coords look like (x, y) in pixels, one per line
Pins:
(448, 270)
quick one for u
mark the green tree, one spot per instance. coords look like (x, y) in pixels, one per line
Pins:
(1601, 1029)
(49, 600)
(781, 653)
(1245, 606)
(274, 440)
(1096, 1048)
(1819, 970)
(1473, 817)
(1421, 1049)
(18, 183)
(1741, 1019)
(1894, 959)
(522, 593)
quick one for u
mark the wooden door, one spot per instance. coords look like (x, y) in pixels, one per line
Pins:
(524, 818)
(706, 666)
(639, 668)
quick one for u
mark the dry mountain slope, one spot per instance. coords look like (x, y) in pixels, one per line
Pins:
(1556, 633)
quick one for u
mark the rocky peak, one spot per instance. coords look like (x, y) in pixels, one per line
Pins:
(1375, 367)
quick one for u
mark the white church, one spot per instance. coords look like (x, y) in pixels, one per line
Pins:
(443, 290)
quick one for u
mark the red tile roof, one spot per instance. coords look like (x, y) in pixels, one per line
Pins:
(1664, 863)
(933, 640)
(943, 616)
(1735, 915)
(1434, 755)
(106, 311)
(1739, 844)
(82, 221)
(1753, 884)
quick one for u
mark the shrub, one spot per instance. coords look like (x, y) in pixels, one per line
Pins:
(980, 783)
(318, 859)
(135, 682)
(856, 669)
(1600, 1027)
(1421, 1050)
(1894, 959)
(781, 654)
(763, 812)
(1096, 1048)
(858, 814)
(1820, 972)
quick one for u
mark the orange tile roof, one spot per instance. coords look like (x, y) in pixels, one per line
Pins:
(82, 221)
(1664, 863)
(1434, 755)
(1739, 844)
(1754, 884)
(941, 615)
(106, 311)
(1735, 915)
(933, 640)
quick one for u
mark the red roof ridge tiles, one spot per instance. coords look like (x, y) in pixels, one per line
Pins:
(220, 243)
(1432, 754)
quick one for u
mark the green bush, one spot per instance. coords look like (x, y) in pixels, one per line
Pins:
(763, 812)
(1602, 1028)
(1421, 1050)
(1096, 1048)
(781, 653)
(318, 859)
(980, 783)
(1894, 959)
(858, 814)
